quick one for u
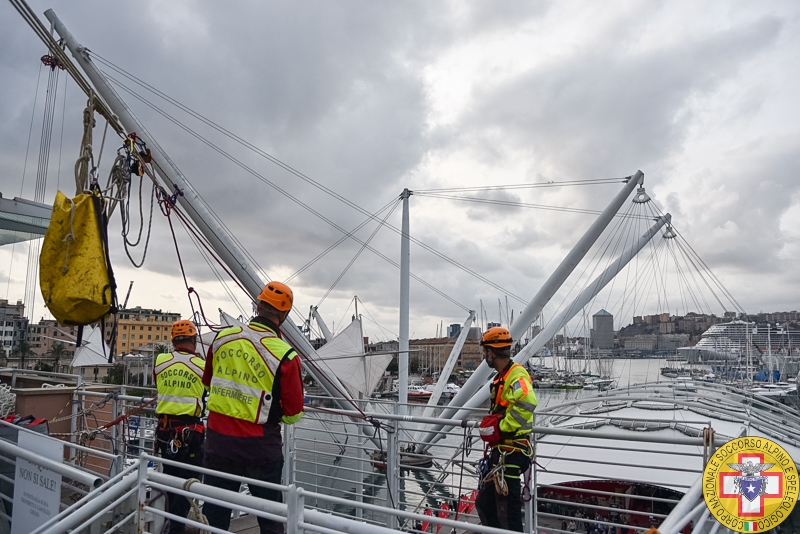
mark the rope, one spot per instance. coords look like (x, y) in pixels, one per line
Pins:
(497, 475)
(443, 475)
(85, 153)
(116, 186)
(70, 237)
(198, 513)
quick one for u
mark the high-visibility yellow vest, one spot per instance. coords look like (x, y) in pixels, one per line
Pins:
(179, 379)
(513, 396)
(245, 364)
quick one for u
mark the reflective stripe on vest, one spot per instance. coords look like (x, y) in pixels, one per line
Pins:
(245, 363)
(503, 400)
(179, 379)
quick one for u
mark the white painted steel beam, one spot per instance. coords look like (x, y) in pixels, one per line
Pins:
(448, 367)
(326, 333)
(191, 202)
(548, 289)
(558, 322)
(405, 279)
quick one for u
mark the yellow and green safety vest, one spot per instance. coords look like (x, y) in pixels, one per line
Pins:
(245, 364)
(513, 396)
(179, 379)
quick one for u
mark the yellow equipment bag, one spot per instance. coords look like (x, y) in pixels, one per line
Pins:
(74, 272)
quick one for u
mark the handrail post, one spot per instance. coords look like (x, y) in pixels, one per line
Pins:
(360, 466)
(141, 515)
(114, 435)
(288, 455)
(534, 492)
(73, 422)
(295, 508)
(393, 472)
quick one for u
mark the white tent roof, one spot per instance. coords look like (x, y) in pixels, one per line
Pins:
(344, 356)
(93, 350)
(571, 459)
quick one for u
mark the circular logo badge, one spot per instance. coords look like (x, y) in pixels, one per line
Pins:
(750, 484)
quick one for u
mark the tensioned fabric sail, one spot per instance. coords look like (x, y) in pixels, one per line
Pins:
(93, 350)
(344, 356)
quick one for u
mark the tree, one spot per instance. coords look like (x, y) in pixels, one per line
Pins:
(41, 366)
(160, 348)
(116, 374)
(57, 352)
(22, 351)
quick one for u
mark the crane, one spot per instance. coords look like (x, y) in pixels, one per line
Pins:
(125, 304)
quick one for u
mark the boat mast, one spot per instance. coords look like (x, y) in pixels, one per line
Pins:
(194, 206)
(405, 278)
(556, 323)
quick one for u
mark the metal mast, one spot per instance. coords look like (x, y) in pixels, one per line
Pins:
(321, 323)
(405, 278)
(563, 317)
(543, 296)
(194, 206)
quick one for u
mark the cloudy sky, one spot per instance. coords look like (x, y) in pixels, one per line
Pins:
(367, 99)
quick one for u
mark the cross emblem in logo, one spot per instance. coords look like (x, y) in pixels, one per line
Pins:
(750, 485)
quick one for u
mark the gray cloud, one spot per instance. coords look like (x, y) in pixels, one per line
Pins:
(342, 92)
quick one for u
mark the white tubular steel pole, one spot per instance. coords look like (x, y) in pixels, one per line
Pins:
(528, 315)
(321, 322)
(543, 296)
(194, 206)
(448, 367)
(405, 277)
(562, 318)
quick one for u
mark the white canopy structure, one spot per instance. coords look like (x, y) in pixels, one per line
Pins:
(93, 350)
(344, 355)
(657, 410)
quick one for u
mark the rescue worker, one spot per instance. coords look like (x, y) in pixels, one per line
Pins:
(255, 382)
(179, 437)
(507, 433)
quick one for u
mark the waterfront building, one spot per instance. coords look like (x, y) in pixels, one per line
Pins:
(603, 330)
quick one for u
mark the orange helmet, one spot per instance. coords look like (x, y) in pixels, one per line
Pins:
(497, 337)
(183, 329)
(278, 295)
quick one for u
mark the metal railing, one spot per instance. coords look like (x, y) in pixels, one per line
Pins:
(593, 466)
(336, 478)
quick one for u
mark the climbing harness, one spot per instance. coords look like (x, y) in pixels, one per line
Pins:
(497, 476)
(180, 442)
